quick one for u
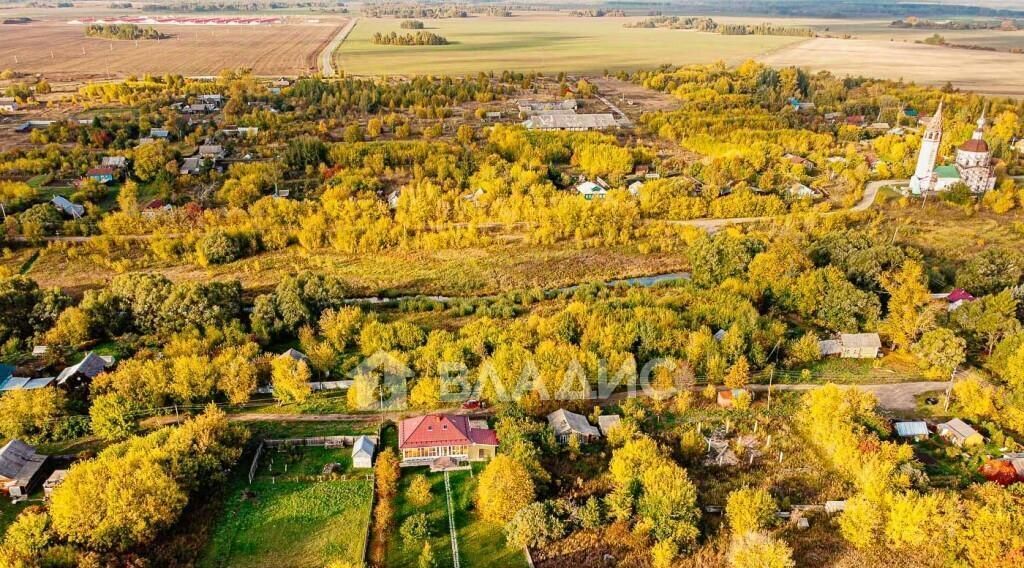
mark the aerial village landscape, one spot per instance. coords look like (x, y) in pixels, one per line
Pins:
(585, 284)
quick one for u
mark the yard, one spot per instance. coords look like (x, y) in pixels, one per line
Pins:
(293, 516)
(481, 544)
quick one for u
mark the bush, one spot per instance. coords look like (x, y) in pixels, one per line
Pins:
(416, 528)
(218, 248)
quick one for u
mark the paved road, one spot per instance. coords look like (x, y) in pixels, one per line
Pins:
(327, 55)
(712, 225)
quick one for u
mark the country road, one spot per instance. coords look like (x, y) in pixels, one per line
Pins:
(897, 397)
(327, 55)
(712, 225)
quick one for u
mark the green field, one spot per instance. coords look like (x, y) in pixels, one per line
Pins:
(293, 519)
(546, 43)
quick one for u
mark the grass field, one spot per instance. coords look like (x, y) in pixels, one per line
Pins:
(547, 43)
(286, 49)
(992, 73)
(292, 519)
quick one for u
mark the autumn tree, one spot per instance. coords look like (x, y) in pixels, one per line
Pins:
(940, 352)
(908, 312)
(749, 510)
(757, 550)
(30, 414)
(290, 378)
(504, 488)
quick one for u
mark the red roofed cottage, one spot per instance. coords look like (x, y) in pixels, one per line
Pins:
(423, 439)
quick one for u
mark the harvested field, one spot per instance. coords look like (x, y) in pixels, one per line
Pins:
(286, 49)
(986, 72)
(543, 42)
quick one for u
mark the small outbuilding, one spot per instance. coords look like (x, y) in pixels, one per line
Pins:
(859, 345)
(83, 372)
(21, 469)
(606, 422)
(916, 430)
(571, 425)
(362, 452)
(960, 433)
(55, 479)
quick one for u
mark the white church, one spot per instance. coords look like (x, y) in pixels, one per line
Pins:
(973, 164)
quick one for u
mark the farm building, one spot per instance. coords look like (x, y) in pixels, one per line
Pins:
(571, 425)
(916, 430)
(55, 479)
(606, 422)
(572, 122)
(530, 108)
(72, 210)
(727, 397)
(21, 468)
(362, 452)
(83, 372)
(960, 433)
(852, 346)
(424, 439)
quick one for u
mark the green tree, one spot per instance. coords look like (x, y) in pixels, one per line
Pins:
(113, 417)
(940, 352)
(535, 525)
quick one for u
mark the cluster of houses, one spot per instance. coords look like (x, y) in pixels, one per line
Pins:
(75, 377)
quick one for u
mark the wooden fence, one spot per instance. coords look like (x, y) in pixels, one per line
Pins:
(255, 463)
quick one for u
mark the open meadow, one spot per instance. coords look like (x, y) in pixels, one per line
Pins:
(61, 51)
(547, 43)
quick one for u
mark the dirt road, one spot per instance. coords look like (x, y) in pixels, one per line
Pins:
(327, 55)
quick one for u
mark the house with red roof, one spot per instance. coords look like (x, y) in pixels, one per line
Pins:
(426, 439)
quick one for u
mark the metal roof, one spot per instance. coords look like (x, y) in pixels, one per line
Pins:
(564, 422)
(911, 429)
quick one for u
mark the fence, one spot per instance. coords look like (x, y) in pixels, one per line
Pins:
(317, 441)
(255, 462)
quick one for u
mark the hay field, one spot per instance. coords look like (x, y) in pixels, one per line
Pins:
(546, 42)
(286, 49)
(986, 72)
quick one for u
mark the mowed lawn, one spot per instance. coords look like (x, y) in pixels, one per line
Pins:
(292, 519)
(545, 43)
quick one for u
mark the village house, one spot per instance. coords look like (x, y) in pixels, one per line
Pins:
(957, 298)
(116, 162)
(162, 133)
(25, 383)
(8, 104)
(211, 152)
(960, 433)
(212, 99)
(590, 190)
(571, 425)
(801, 191)
(424, 439)
(191, 166)
(73, 210)
(82, 373)
(21, 469)
(852, 346)
(295, 354)
(102, 174)
(915, 430)
(362, 452)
